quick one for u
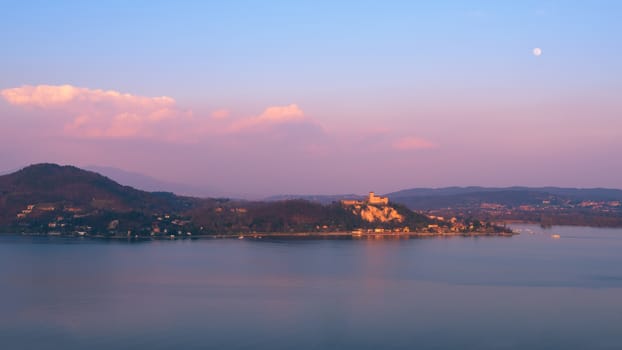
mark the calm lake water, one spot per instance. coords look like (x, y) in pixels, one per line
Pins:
(528, 291)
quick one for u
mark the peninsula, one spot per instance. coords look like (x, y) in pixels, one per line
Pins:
(48, 199)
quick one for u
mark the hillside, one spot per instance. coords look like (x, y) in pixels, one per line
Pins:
(297, 215)
(54, 188)
(151, 184)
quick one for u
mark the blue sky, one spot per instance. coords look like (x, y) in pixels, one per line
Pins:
(227, 46)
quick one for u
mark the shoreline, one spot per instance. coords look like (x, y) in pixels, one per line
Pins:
(283, 235)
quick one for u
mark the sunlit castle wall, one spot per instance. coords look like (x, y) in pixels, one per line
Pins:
(373, 199)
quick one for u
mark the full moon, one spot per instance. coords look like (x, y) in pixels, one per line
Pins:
(537, 51)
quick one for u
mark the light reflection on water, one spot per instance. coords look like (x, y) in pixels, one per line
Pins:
(528, 291)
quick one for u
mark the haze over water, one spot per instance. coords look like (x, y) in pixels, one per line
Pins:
(527, 291)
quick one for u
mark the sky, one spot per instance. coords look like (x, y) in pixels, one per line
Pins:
(256, 98)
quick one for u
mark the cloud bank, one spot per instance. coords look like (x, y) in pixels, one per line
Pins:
(108, 114)
(89, 113)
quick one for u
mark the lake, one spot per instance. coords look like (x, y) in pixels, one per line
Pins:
(527, 291)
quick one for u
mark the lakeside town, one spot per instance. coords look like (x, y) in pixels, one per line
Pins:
(599, 213)
(379, 219)
(53, 200)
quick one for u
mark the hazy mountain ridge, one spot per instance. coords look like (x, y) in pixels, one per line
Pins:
(323, 199)
(151, 184)
(600, 207)
(591, 193)
(426, 198)
(434, 198)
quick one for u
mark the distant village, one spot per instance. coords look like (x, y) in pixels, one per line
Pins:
(381, 218)
(104, 208)
(547, 212)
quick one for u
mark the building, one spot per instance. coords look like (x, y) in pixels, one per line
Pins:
(372, 199)
(349, 202)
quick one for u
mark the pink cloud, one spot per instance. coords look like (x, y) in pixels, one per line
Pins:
(40, 96)
(93, 113)
(412, 143)
(221, 113)
(271, 116)
(99, 114)
(108, 114)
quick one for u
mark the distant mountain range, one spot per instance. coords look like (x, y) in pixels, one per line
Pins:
(593, 193)
(436, 198)
(426, 198)
(323, 199)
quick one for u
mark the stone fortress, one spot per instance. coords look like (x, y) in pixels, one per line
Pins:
(373, 209)
(372, 199)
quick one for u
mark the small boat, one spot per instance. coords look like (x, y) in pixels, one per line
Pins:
(556, 236)
(240, 237)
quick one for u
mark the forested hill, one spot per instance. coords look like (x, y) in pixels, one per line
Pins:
(55, 186)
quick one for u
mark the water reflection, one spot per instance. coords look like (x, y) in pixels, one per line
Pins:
(528, 291)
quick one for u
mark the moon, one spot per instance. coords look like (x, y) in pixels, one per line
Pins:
(537, 51)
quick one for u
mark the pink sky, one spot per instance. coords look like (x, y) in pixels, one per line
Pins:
(286, 149)
(315, 97)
